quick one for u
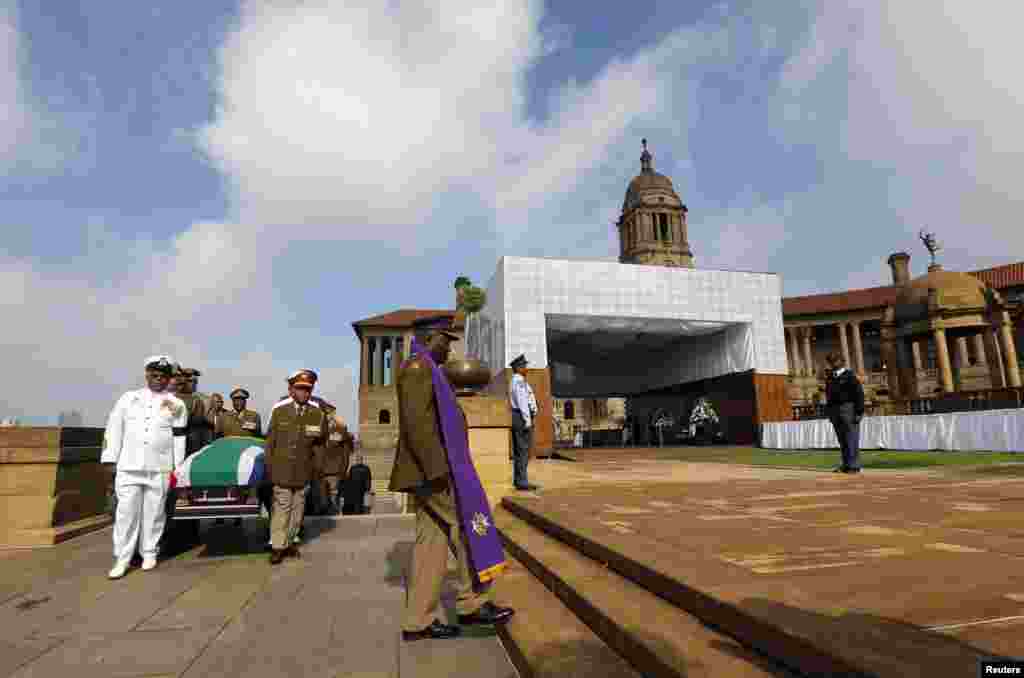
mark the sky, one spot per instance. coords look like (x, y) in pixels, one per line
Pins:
(234, 183)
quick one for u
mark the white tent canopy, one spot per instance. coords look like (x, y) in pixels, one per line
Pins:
(615, 329)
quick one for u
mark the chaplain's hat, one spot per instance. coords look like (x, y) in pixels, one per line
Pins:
(520, 361)
(161, 363)
(239, 393)
(443, 323)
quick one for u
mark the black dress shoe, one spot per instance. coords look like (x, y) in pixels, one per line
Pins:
(435, 630)
(489, 613)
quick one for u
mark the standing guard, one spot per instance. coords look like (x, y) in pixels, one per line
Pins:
(524, 410)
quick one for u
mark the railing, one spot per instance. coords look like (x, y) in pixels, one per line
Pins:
(968, 401)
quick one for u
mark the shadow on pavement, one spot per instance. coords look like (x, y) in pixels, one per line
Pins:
(220, 540)
(879, 645)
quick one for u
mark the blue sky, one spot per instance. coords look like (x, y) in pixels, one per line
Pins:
(235, 183)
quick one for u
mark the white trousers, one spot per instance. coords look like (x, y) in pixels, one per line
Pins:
(141, 513)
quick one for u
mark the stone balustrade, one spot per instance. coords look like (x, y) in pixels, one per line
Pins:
(52, 484)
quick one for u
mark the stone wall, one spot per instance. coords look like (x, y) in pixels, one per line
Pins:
(52, 484)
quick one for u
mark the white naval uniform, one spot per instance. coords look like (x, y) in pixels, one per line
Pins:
(140, 438)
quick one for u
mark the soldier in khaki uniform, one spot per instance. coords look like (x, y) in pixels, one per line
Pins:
(200, 432)
(216, 415)
(296, 428)
(241, 421)
(421, 469)
(333, 460)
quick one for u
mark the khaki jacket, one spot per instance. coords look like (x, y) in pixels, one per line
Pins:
(244, 423)
(291, 444)
(420, 456)
(332, 458)
(200, 430)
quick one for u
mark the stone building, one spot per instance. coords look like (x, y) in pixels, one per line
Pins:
(384, 343)
(652, 228)
(852, 322)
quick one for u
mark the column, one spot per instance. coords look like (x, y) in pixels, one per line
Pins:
(844, 344)
(399, 355)
(1009, 350)
(796, 365)
(915, 347)
(808, 358)
(363, 353)
(995, 363)
(371, 360)
(378, 360)
(942, 352)
(858, 349)
(961, 352)
(389, 364)
(979, 348)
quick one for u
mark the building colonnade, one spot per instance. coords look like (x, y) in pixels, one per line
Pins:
(993, 345)
(379, 360)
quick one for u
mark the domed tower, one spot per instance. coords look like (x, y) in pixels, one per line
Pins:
(652, 228)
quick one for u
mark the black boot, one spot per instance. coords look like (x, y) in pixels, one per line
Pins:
(489, 613)
(435, 630)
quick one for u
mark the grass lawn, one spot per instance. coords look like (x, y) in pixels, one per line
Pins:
(994, 462)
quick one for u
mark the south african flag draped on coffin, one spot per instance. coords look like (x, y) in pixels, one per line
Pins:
(227, 462)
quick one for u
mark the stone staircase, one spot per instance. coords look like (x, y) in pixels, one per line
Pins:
(380, 461)
(577, 617)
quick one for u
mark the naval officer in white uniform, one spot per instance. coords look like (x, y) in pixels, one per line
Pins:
(145, 438)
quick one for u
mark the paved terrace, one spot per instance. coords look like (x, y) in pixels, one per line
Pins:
(222, 610)
(896, 573)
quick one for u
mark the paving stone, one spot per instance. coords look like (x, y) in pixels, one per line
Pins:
(137, 653)
(16, 654)
(213, 601)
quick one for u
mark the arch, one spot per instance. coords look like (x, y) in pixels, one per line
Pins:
(384, 417)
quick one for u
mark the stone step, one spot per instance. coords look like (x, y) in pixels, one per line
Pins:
(654, 636)
(810, 637)
(545, 639)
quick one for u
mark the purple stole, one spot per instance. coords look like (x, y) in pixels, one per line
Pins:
(483, 545)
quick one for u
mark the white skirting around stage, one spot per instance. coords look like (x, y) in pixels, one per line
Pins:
(993, 430)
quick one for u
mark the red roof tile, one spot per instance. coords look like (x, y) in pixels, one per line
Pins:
(835, 302)
(999, 277)
(403, 318)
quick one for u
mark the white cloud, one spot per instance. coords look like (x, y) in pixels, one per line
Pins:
(932, 101)
(387, 124)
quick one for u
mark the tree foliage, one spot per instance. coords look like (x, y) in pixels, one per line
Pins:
(473, 299)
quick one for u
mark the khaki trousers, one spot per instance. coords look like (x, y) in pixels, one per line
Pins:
(437, 531)
(286, 518)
